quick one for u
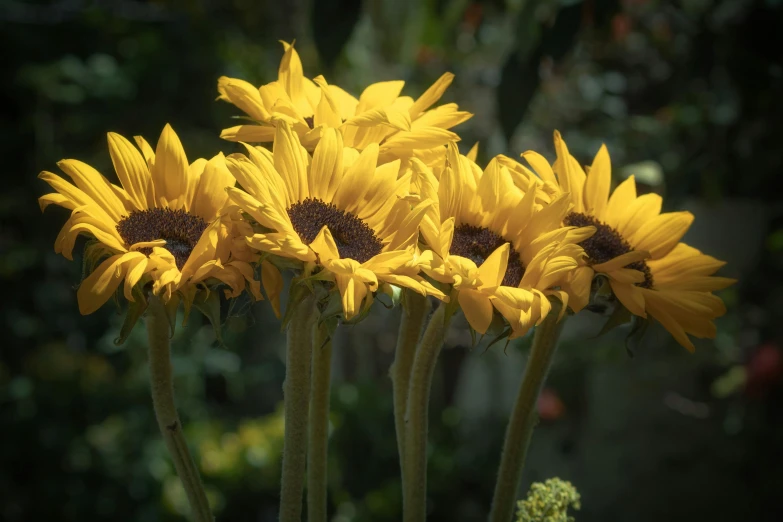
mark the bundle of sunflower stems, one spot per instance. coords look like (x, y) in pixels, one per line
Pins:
(362, 197)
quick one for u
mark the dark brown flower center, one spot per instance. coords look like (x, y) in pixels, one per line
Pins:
(180, 229)
(606, 244)
(354, 238)
(477, 243)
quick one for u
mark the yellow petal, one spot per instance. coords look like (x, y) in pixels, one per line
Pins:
(101, 283)
(493, 269)
(291, 162)
(210, 195)
(445, 117)
(622, 261)
(354, 184)
(249, 133)
(203, 251)
(541, 166)
(477, 309)
(324, 246)
(245, 96)
(619, 201)
(273, 284)
(327, 112)
(661, 234)
(672, 326)
(146, 151)
(95, 186)
(698, 283)
(519, 298)
(643, 209)
(346, 103)
(291, 77)
(473, 152)
(170, 172)
(379, 94)
(135, 271)
(82, 223)
(353, 293)
(426, 138)
(326, 169)
(598, 182)
(132, 170)
(626, 275)
(578, 288)
(630, 296)
(431, 95)
(570, 174)
(55, 198)
(266, 215)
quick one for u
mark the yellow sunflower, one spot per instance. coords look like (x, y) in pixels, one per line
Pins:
(402, 127)
(636, 246)
(162, 225)
(335, 214)
(498, 248)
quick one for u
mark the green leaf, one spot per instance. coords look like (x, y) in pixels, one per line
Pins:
(296, 294)
(171, 312)
(331, 327)
(135, 310)
(638, 329)
(208, 303)
(503, 335)
(619, 317)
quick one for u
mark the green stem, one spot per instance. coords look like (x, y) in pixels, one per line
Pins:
(158, 330)
(414, 312)
(296, 392)
(524, 417)
(414, 487)
(319, 425)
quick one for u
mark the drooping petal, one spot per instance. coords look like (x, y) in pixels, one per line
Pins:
(94, 185)
(477, 309)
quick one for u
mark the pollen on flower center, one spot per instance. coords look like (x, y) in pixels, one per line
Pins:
(477, 243)
(606, 244)
(180, 229)
(354, 238)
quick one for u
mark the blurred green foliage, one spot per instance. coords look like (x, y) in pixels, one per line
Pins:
(687, 93)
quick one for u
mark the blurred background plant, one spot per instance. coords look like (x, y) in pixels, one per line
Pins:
(686, 96)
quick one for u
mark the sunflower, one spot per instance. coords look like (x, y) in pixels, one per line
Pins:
(498, 248)
(163, 225)
(636, 247)
(402, 127)
(336, 215)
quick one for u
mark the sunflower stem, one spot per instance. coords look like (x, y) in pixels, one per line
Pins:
(414, 485)
(414, 312)
(524, 417)
(158, 332)
(319, 425)
(296, 392)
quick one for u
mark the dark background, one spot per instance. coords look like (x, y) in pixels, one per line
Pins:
(686, 95)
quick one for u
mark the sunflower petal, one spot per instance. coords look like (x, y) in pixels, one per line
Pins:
(477, 309)
(597, 184)
(170, 172)
(132, 169)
